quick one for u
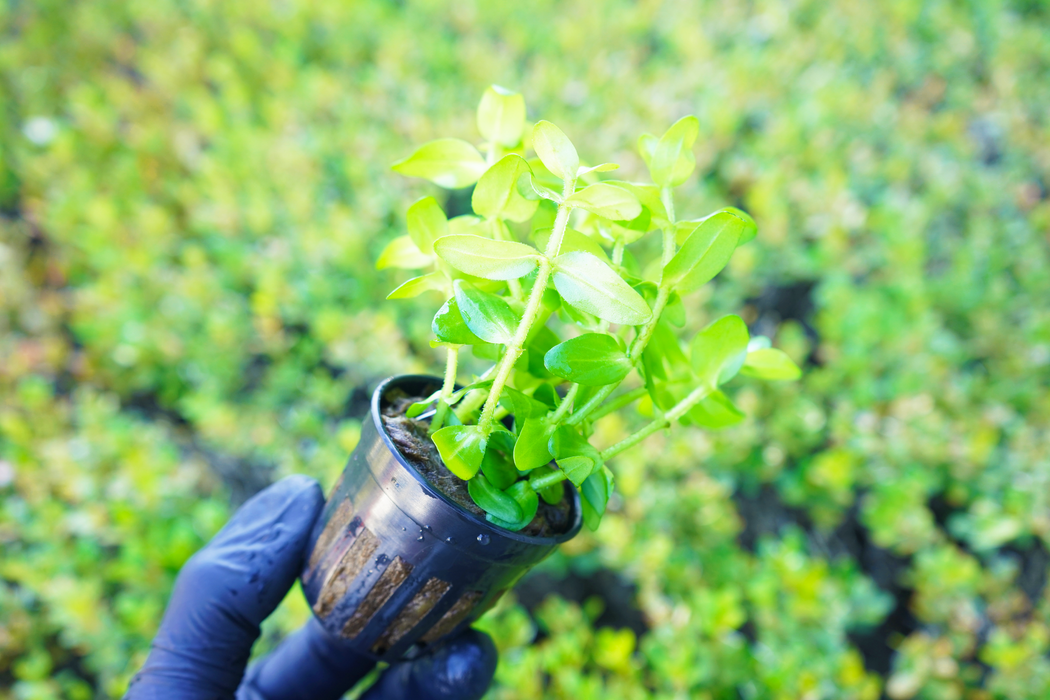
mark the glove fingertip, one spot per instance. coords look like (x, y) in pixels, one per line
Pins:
(461, 669)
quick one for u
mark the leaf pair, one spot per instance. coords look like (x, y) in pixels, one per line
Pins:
(670, 158)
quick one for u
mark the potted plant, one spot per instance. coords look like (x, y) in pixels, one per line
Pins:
(454, 492)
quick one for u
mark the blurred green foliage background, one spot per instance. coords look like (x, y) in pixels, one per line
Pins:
(192, 196)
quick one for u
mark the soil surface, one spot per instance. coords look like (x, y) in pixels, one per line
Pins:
(410, 437)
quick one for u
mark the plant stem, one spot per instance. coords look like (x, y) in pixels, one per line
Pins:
(538, 483)
(447, 388)
(566, 404)
(676, 412)
(532, 309)
(618, 403)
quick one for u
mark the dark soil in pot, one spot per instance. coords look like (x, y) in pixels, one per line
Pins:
(412, 441)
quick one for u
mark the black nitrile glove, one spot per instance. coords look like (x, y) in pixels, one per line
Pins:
(229, 587)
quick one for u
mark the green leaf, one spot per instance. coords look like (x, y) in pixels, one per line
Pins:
(530, 451)
(750, 227)
(462, 448)
(715, 412)
(603, 168)
(674, 311)
(663, 357)
(771, 364)
(468, 224)
(555, 150)
(566, 441)
(525, 496)
(426, 223)
(403, 253)
(533, 190)
(520, 405)
(595, 493)
(672, 160)
(646, 145)
(546, 395)
(486, 258)
(433, 281)
(577, 468)
(488, 316)
(449, 327)
(607, 201)
(491, 499)
(498, 464)
(591, 359)
(450, 163)
(648, 196)
(501, 116)
(573, 240)
(719, 350)
(497, 195)
(590, 285)
(419, 407)
(705, 252)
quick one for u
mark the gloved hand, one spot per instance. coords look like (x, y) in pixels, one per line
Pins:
(230, 586)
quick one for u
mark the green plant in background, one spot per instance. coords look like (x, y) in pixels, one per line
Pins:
(503, 292)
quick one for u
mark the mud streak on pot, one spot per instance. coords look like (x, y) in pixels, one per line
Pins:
(455, 615)
(386, 586)
(343, 573)
(338, 522)
(415, 610)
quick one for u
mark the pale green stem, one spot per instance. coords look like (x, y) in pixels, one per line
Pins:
(676, 412)
(543, 481)
(566, 404)
(532, 309)
(447, 388)
(473, 400)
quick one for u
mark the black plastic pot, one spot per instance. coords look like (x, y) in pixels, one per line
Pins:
(396, 565)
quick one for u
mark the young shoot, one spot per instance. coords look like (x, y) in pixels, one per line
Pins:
(543, 282)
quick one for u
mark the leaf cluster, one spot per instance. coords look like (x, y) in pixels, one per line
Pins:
(540, 282)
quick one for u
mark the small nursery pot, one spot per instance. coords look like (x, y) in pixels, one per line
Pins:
(396, 565)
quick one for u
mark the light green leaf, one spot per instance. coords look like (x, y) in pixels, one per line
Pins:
(719, 350)
(590, 285)
(649, 197)
(434, 281)
(419, 407)
(607, 201)
(488, 316)
(426, 223)
(497, 195)
(603, 168)
(462, 447)
(750, 227)
(501, 116)
(490, 499)
(449, 327)
(403, 253)
(487, 258)
(468, 224)
(705, 252)
(572, 240)
(646, 146)
(591, 359)
(672, 159)
(530, 451)
(577, 468)
(715, 412)
(771, 364)
(450, 163)
(555, 150)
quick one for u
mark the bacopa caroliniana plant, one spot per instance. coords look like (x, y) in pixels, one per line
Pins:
(619, 314)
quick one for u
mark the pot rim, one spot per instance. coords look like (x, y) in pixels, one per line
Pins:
(376, 411)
